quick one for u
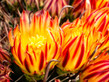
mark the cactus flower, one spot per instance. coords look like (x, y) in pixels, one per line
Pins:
(97, 70)
(88, 6)
(35, 43)
(98, 20)
(95, 4)
(78, 45)
(73, 49)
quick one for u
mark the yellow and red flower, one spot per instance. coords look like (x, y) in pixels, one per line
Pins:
(78, 45)
(95, 4)
(36, 42)
(88, 6)
(98, 22)
(55, 6)
(97, 70)
(74, 47)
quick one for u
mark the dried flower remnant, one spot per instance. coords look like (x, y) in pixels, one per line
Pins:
(54, 7)
(81, 7)
(4, 73)
(4, 56)
(5, 61)
(13, 2)
(34, 3)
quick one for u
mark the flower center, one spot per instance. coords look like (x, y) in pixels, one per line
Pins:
(37, 41)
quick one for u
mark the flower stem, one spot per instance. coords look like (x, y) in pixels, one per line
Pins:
(47, 69)
(67, 6)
